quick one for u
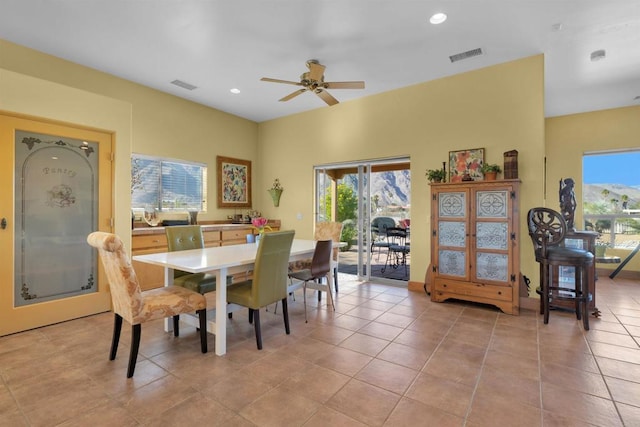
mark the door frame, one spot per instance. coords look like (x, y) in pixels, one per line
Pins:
(17, 319)
(363, 169)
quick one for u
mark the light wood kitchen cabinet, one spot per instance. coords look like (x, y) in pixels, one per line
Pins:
(475, 237)
(153, 240)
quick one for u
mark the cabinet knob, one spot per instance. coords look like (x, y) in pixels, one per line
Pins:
(499, 292)
(156, 241)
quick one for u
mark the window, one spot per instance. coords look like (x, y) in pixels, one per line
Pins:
(611, 197)
(168, 184)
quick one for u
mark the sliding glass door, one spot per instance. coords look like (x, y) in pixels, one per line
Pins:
(355, 194)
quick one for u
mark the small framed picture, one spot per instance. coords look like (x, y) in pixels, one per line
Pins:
(234, 183)
(463, 162)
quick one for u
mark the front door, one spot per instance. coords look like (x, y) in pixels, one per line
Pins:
(55, 188)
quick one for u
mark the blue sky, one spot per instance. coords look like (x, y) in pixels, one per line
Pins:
(618, 168)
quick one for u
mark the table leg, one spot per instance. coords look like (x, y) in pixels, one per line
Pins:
(168, 281)
(221, 312)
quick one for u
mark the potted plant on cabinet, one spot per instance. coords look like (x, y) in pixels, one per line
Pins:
(490, 171)
(435, 175)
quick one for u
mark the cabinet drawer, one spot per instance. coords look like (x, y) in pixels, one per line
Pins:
(149, 241)
(501, 293)
(239, 235)
(211, 238)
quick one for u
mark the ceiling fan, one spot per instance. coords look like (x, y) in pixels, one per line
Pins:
(313, 80)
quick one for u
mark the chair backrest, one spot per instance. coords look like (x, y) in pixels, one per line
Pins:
(546, 228)
(329, 230)
(271, 271)
(182, 238)
(381, 223)
(126, 296)
(321, 261)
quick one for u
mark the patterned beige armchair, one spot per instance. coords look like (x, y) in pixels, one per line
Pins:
(137, 307)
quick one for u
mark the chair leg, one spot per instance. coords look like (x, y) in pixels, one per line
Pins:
(545, 293)
(176, 326)
(335, 278)
(256, 318)
(250, 316)
(304, 295)
(285, 314)
(136, 331)
(202, 316)
(582, 298)
(117, 327)
(330, 295)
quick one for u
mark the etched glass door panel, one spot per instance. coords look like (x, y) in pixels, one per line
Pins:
(452, 263)
(492, 266)
(55, 210)
(452, 233)
(492, 204)
(492, 235)
(452, 205)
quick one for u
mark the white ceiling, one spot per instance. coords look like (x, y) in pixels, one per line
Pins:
(217, 45)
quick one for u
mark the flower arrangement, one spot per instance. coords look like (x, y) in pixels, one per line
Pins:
(260, 225)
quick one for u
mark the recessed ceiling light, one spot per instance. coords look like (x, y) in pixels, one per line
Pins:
(235, 90)
(557, 27)
(597, 55)
(438, 18)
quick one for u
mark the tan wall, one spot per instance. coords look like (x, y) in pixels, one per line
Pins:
(569, 137)
(158, 124)
(30, 96)
(499, 108)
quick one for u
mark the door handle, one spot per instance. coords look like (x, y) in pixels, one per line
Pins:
(3, 223)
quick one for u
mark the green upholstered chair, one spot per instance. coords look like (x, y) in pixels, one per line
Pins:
(136, 307)
(312, 277)
(184, 237)
(269, 282)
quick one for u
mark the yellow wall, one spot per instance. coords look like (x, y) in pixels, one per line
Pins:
(158, 123)
(569, 137)
(499, 108)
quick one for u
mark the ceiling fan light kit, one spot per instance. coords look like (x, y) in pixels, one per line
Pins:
(313, 81)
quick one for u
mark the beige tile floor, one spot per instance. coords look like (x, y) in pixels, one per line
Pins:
(385, 357)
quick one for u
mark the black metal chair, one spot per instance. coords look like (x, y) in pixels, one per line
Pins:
(547, 229)
(379, 239)
(399, 249)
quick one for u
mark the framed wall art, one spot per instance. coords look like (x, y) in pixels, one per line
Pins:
(466, 162)
(234, 182)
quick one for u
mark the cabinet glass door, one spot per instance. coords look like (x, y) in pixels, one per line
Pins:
(492, 236)
(452, 234)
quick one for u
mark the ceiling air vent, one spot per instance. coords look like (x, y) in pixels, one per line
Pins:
(465, 55)
(183, 85)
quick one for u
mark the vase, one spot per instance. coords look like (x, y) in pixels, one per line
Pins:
(258, 238)
(275, 196)
(600, 251)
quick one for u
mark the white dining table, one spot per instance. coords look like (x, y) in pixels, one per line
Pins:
(221, 261)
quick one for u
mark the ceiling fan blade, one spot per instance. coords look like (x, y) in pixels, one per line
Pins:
(344, 85)
(316, 71)
(293, 94)
(326, 97)
(267, 79)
